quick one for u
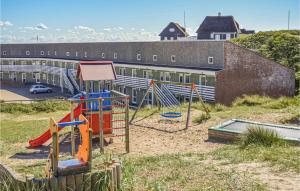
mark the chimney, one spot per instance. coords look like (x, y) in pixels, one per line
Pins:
(219, 14)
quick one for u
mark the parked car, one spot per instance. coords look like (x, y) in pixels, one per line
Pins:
(37, 88)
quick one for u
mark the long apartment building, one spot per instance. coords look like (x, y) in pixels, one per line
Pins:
(221, 70)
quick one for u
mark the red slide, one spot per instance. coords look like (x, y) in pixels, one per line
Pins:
(47, 135)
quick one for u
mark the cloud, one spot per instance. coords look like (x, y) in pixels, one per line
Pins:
(41, 26)
(107, 29)
(84, 28)
(5, 24)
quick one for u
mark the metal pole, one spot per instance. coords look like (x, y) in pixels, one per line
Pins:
(127, 124)
(141, 103)
(200, 99)
(101, 133)
(189, 108)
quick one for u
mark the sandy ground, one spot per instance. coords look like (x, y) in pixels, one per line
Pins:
(7, 95)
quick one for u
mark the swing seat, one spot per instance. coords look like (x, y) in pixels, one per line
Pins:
(171, 114)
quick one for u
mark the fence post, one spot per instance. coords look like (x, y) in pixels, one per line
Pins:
(127, 124)
(72, 131)
(101, 133)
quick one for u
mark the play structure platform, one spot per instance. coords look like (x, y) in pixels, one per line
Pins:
(231, 130)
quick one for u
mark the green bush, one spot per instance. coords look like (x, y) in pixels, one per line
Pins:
(266, 102)
(256, 135)
(41, 106)
(252, 100)
(203, 117)
(282, 102)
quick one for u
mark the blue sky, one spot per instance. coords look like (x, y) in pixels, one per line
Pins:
(129, 20)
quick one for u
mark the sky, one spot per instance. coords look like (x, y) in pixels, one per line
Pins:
(131, 20)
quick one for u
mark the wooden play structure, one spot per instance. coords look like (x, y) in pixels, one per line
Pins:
(84, 156)
(168, 105)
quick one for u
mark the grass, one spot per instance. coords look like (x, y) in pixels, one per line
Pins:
(182, 172)
(260, 136)
(203, 117)
(282, 158)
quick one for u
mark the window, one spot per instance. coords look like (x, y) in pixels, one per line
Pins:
(54, 53)
(122, 71)
(154, 58)
(165, 76)
(44, 77)
(33, 75)
(133, 73)
(27, 52)
(76, 54)
(103, 55)
(231, 35)
(85, 54)
(23, 77)
(53, 79)
(180, 78)
(67, 53)
(44, 63)
(122, 89)
(147, 74)
(115, 55)
(202, 80)
(4, 53)
(1, 75)
(223, 36)
(48, 53)
(171, 30)
(210, 60)
(134, 96)
(173, 58)
(42, 53)
(187, 78)
(138, 57)
(149, 99)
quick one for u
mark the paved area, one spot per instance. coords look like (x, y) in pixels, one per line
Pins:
(11, 92)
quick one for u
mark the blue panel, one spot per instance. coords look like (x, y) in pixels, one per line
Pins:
(64, 124)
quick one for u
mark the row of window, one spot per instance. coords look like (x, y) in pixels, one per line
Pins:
(35, 76)
(138, 56)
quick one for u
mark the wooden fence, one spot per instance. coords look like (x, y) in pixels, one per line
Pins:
(108, 178)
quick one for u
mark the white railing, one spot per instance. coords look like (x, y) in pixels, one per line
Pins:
(72, 77)
(207, 92)
(31, 68)
(67, 83)
(133, 82)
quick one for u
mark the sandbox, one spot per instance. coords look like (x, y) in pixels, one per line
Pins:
(230, 130)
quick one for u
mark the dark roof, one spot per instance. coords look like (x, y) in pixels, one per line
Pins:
(219, 24)
(176, 25)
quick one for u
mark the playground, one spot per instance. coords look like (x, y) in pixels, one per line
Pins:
(185, 149)
(166, 146)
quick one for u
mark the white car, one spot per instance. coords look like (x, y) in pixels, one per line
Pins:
(40, 89)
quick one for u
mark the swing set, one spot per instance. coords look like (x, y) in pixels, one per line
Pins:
(169, 107)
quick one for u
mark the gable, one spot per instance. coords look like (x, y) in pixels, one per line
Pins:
(177, 29)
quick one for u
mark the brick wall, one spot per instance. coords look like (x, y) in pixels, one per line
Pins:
(246, 72)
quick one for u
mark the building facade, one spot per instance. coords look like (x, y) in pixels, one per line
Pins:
(202, 62)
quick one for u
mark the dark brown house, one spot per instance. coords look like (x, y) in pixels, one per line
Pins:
(173, 31)
(218, 28)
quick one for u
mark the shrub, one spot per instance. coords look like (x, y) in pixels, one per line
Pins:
(282, 103)
(293, 119)
(203, 117)
(252, 100)
(42, 106)
(219, 107)
(256, 135)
